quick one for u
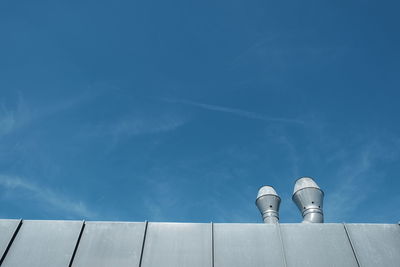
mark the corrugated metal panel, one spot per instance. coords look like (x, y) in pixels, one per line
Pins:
(177, 245)
(43, 243)
(376, 245)
(110, 244)
(250, 245)
(7, 230)
(317, 245)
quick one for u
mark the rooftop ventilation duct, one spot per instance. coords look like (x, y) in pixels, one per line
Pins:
(268, 203)
(309, 199)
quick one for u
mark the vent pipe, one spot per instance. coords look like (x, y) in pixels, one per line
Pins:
(309, 199)
(268, 203)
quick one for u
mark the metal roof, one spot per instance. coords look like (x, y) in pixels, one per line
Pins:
(142, 244)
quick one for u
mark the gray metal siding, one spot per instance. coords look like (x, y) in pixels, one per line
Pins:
(7, 230)
(317, 245)
(110, 244)
(177, 245)
(52, 243)
(250, 245)
(43, 243)
(376, 244)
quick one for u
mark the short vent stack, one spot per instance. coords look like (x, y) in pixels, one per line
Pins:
(268, 203)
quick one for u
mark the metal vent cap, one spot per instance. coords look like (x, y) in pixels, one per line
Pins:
(268, 203)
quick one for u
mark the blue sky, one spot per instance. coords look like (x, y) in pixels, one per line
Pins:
(180, 111)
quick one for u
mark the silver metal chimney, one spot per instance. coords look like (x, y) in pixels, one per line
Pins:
(268, 203)
(309, 199)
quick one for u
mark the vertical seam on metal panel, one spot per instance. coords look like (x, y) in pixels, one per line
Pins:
(11, 241)
(77, 243)
(398, 227)
(282, 245)
(143, 243)
(351, 244)
(212, 244)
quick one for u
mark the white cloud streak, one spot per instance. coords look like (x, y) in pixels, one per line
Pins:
(50, 198)
(7, 121)
(137, 125)
(142, 125)
(233, 111)
(351, 192)
(357, 180)
(23, 115)
(10, 120)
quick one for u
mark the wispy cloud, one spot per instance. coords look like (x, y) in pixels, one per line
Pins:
(161, 197)
(357, 179)
(234, 111)
(47, 196)
(351, 190)
(277, 52)
(23, 114)
(7, 121)
(292, 153)
(138, 125)
(12, 119)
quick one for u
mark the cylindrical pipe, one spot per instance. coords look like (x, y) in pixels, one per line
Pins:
(309, 199)
(268, 203)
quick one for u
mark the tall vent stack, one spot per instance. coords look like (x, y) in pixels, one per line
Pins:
(309, 199)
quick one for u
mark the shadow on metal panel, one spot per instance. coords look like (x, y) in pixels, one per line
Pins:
(7, 230)
(376, 244)
(317, 245)
(43, 243)
(177, 245)
(250, 245)
(110, 244)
